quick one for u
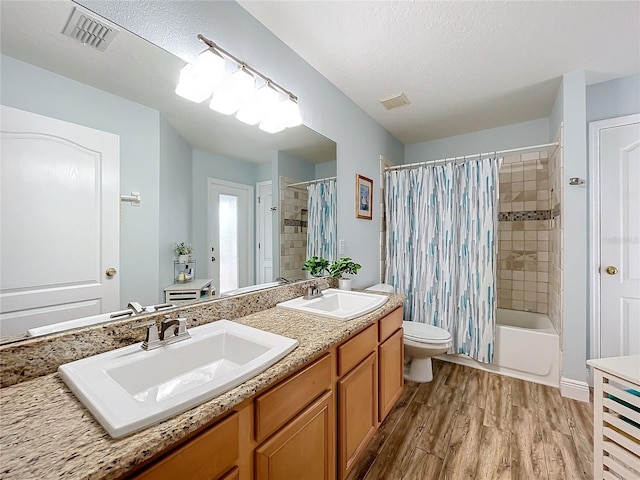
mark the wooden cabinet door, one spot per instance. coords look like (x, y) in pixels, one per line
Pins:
(357, 411)
(205, 457)
(304, 448)
(391, 373)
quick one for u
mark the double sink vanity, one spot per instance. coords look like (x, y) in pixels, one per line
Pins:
(281, 392)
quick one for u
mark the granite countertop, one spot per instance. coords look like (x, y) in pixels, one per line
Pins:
(46, 433)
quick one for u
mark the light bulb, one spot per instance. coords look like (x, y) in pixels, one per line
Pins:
(211, 66)
(291, 112)
(273, 123)
(192, 85)
(233, 92)
(259, 104)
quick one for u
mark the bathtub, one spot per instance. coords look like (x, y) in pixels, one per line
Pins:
(527, 347)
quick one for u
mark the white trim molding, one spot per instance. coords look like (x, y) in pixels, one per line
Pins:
(594, 227)
(574, 389)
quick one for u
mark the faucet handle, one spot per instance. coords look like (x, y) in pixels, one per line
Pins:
(152, 332)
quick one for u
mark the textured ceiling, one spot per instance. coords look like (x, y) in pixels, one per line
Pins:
(465, 66)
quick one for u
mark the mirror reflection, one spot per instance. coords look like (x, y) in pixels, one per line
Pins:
(237, 195)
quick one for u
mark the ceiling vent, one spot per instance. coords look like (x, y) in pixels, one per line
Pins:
(395, 101)
(89, 30)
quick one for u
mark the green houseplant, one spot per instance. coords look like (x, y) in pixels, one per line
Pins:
(183, 250)
(316, 266)
(343, 269)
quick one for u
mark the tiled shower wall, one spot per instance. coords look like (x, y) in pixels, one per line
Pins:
(523, 246)
(556, 239)
(293, 229)
(384, 163)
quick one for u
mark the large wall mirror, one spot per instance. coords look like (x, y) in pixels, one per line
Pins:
(197, 172)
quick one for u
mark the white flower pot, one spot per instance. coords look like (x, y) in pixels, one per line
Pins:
(344, 283)
(183, 258)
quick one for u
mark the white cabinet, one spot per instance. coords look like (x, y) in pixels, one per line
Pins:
(616, 422)
(194, 290)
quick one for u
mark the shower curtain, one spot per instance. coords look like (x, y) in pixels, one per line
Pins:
(322, 223)
(441, 248)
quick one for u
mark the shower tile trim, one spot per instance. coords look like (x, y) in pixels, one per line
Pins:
(524, 215)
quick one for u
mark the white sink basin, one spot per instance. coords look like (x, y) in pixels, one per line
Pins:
(340, 304)
(129, 389)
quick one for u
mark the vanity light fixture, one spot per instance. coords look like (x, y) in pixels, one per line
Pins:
(235, 87)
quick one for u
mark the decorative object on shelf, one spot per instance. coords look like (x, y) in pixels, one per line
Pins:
(364, 197)
(316, 266)
(342, 270)
(234, 86)
(184, 271)
(183, 250)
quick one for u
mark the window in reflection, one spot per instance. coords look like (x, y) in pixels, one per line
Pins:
(228, 254)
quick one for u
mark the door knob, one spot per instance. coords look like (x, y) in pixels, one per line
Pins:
(611, 270)
(111, 272)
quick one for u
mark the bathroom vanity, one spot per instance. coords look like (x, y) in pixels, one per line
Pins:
(308, 416)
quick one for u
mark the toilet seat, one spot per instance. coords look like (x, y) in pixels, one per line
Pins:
(425, 334)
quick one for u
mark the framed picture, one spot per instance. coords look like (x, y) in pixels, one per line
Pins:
(364, 197)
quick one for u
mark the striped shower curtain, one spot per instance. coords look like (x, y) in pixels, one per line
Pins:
(441, 248)
(321, 221)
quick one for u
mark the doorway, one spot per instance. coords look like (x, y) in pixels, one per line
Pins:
(231, 234)
(615, 249)
(59, 221)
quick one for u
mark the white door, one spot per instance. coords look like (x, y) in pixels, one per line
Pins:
(617, 149)
(264, 221)
(59, 225)
(231, 235)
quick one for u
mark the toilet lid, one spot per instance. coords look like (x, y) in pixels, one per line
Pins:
(421, 332)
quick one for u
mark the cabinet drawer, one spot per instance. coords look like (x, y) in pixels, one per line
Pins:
(274, 408)
(353, 351)
(389, 324)
(207, 456)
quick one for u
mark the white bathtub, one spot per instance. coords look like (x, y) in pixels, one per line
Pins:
(527, 347)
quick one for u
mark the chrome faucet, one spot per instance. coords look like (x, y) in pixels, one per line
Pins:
(314, 291)
(136, 307)
(177, 328)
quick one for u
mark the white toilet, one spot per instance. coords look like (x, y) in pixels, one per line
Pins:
(421, 342)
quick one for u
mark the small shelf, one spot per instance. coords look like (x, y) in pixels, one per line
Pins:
(184, 272)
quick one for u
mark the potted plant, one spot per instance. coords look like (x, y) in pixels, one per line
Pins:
(343, 269)
(183, 250)
(316, 266)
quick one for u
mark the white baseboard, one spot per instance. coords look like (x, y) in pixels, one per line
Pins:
(575, 389)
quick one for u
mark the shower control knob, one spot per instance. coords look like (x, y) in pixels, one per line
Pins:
(611, 270)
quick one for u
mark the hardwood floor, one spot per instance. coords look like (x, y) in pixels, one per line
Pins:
(471, 424)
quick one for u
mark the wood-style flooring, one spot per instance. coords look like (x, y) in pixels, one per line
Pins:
(471, 424)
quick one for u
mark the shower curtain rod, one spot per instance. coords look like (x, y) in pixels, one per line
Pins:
(309, 182)
(464, 157)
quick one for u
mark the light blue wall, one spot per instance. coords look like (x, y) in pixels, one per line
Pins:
(263, 171)
(207, 165)
(324, 108)
(534, 132)
(326, 169)
(615, 98)
(30, 88)
(575, 317)
(556, 118)
(293, 167)
(175, 199)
